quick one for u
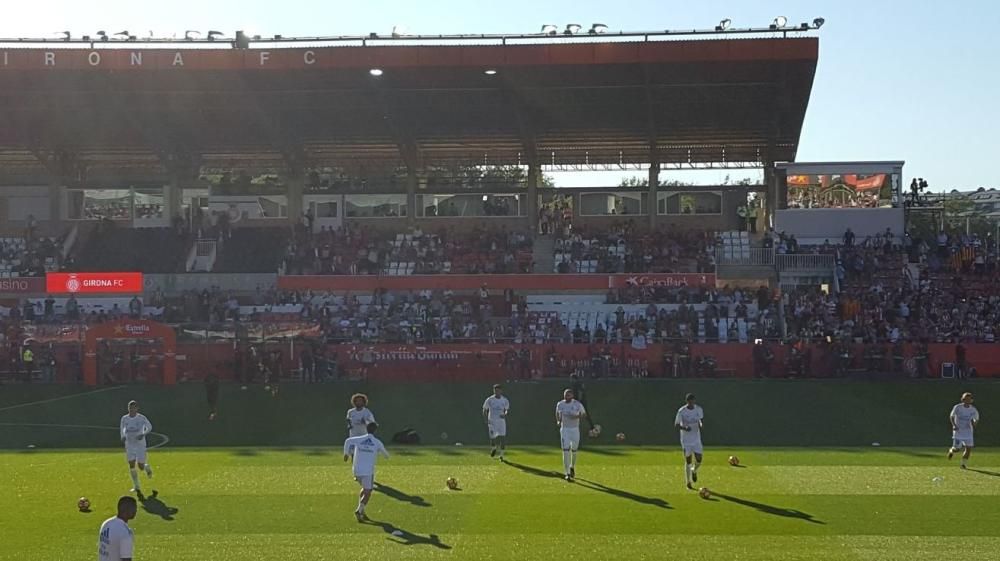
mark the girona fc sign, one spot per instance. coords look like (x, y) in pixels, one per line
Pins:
(93, 283)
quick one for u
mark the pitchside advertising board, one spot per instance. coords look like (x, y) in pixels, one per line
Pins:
(93, 283)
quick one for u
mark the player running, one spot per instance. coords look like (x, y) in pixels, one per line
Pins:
(689, 422)
(964, 418)
(359, 417)
(364, 449)
(134, 428)
(115, 540)
(568, 414)
(495, 410)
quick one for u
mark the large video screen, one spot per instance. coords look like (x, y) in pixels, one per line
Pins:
(840, 191)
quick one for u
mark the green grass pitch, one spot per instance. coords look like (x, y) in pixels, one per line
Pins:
(266, 481)
(629, 503)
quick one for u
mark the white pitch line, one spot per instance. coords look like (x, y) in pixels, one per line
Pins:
(166, 439)
(44, 401)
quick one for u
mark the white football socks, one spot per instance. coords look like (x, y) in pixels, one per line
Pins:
(687, 473)
(149, 471)
(135, 478)
(572, 459)
(567, 461)
(696, 466)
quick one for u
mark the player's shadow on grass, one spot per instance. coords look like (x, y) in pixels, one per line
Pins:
(602, 450)
(392, 493)
(403, 537)
(153, 505)
(984, 472)
(772, 510)
(621, 493)
(535, 471)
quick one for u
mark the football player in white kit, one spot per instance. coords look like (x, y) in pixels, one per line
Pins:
(964, 418)
(568, 414)
(134, 428)
(359, 417)
(114, 543)
(364, 450)
(495, 410)
(689, 422)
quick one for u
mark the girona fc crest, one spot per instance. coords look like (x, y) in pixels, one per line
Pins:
(72, 284)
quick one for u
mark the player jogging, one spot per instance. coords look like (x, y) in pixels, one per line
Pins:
(964, 418)
(115, 540)
(689, 422)
(495, 410)
(134, 428)
(364, 449)
(568, 414)
(359, 417)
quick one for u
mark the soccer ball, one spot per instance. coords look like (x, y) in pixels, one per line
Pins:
(83, 504)
(597, 429)
(734, 461)
(704, 493)
(592, 433)
(620, 437)
(452, 483)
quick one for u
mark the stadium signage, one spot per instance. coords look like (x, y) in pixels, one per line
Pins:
(371, 355)
(23, 285)
(494, 282)
(93, 283)
(119, 59)
(666, 280)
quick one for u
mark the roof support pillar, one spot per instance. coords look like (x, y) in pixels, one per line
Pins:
(531, 205)
(654, 183)
(294, 187)
(173, 197)
(412, 180)
(56, 196)
(775, 199)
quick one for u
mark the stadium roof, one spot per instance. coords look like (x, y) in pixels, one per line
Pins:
(701, 103)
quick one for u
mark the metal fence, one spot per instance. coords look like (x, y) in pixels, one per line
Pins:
(805, 262)
(745, 257)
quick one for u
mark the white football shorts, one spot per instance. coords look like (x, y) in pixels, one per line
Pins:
(570, 438)
(136, 452)
(962, 441)
(692, 448)
(498, 428)
(366, 481)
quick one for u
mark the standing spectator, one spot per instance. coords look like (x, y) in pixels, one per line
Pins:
(960, 361)
(849, 238)
(135, 308)
(308, 364)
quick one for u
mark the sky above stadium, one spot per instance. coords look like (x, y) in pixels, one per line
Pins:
(914, 81)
